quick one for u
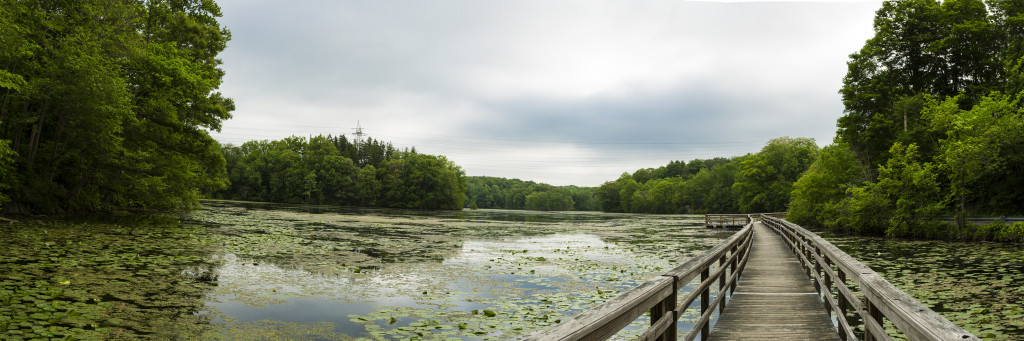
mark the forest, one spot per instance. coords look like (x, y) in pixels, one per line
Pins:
(107, 105)
(758, 182)
(326, 170)
(933, 126)
(515, 194)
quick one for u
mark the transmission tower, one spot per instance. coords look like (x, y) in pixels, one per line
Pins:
(359, 134)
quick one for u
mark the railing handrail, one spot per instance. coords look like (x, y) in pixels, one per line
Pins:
(881, 298)
(659, 295)
(726, 219)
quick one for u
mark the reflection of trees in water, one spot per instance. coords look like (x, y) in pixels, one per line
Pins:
(329, 239)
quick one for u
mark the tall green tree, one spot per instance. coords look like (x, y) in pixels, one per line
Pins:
(9, 178)
(766, 178)
(817, 195)
(608, 196)
(981, 151)
(919, 47)
(912, 187)
(108, 103)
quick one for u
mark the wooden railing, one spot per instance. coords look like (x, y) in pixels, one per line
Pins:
(726, 220)
(660, 296)
(831, 270)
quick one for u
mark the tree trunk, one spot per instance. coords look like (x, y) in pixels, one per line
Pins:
(962, 219)
(7, 97)
(37, 133)
(73, 193)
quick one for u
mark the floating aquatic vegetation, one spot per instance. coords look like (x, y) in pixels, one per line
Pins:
(385, 274)
(975, 285)
(265, 271)
(97, 281)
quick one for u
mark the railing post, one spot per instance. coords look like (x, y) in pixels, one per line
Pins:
(842, 300)
(817, 269)
(732, 269)
(667, 307)
(828, 284)
(705, 300)
(721, 285)
(875, 315)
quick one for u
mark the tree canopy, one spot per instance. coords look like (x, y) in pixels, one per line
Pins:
(107, 104)
(933, 125)
(758, 182)
(515, 194)
(320, 170)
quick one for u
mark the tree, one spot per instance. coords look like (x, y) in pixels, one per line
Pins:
(817, 194)
(9, 179)
(766, 178)
(919, 47)
(108, 103)
(608, 196)
(550, 199)
(979, 144)
(912, 187)
(627, 187)
(367, 187)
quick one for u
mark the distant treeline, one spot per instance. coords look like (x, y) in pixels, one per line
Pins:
(515, 194)
(933, 126)
(333, 171)
(751, 183)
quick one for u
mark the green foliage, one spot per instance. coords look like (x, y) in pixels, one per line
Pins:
(8, 178)
(608, 196)
(933, 103)
(766, 178)
(553, 199)
(866, 210)
(817, 194)
(673, 189)
(294, 170)
(920, 47)
(981, 151)
(11, 81)
(752, 183)
(108, 104)
(911, 187)
(515, 194)
(905, 201)
(1011, 233)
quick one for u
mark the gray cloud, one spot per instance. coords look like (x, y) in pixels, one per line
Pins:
(561, 92)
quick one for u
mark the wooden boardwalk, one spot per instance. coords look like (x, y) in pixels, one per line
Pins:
(774, 299)
(776, 296)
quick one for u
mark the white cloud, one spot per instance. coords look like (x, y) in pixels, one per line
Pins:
(543, 90)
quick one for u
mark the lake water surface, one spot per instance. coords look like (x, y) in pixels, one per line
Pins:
(236, 270)
(339, 273)
(978, 286)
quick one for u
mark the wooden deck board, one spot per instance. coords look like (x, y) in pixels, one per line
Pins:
(774, 298)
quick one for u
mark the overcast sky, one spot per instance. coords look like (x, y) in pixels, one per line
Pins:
(561, 92)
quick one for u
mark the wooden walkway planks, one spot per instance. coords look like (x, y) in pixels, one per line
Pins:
(774, 299)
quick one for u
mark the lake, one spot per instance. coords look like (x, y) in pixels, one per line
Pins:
(337, 273)
(236, 270)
